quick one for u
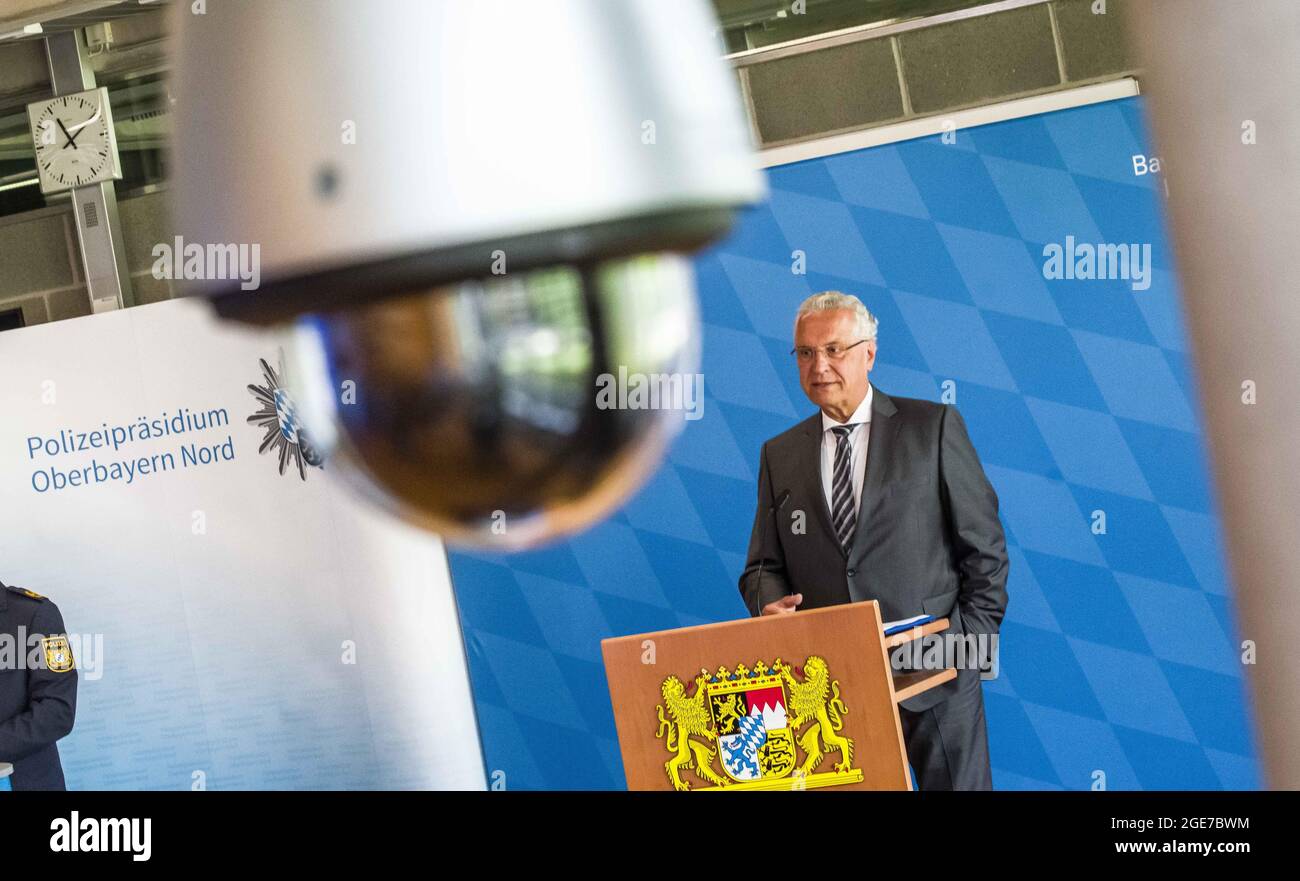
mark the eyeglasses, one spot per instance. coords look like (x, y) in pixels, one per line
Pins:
(834, 351)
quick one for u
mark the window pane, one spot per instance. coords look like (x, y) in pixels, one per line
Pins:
(753, 24)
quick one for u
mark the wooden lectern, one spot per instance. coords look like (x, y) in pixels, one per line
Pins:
(799, 701)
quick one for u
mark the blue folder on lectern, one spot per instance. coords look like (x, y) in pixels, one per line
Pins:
(892, 627)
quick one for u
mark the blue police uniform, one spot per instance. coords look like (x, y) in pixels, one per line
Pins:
(38, 688)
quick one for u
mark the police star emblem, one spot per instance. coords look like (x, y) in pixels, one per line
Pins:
(278, 416)
(58, 654)
(763, 721)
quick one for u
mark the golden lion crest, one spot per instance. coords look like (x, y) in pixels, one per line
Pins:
(755, 723)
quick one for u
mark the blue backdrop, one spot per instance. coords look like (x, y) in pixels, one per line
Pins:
(1117, 650)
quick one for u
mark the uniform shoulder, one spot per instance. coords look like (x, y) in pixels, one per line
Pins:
(24, 592)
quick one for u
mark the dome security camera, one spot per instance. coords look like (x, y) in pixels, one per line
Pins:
(471, 214)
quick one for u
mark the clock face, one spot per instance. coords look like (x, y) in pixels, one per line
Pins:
(74, 140)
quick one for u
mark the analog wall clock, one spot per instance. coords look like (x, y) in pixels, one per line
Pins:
(74, 140)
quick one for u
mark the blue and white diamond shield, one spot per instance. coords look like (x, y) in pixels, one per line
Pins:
(740, 751)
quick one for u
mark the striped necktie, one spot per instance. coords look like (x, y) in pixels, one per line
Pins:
(843, 517)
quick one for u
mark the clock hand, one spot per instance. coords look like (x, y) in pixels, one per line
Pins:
(71, 139)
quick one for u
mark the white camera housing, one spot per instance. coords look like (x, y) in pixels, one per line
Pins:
(472, 210)
(362, 145)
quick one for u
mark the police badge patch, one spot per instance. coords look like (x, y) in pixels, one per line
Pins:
(278, 417)
(58, 654)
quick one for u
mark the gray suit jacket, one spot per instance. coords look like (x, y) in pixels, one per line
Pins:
(928, 536)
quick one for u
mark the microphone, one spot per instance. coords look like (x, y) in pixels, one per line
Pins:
(771, 515)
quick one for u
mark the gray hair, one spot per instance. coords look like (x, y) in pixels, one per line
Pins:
(867, 323)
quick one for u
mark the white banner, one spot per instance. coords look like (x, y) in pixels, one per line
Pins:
(237, 627)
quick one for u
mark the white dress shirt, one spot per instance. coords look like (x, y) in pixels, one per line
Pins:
(859, 437)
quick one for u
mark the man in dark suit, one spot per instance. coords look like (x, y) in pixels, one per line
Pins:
(38, 688)
(883, 498)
